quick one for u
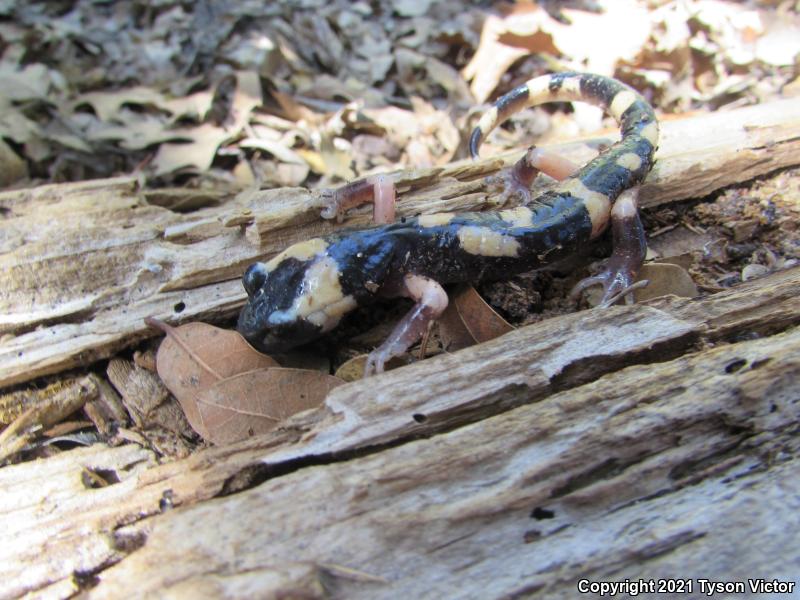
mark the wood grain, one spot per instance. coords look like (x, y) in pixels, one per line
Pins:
(677, 469)
(83, 264)
(643, 440)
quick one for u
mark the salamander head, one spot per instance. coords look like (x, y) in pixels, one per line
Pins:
(291, 301)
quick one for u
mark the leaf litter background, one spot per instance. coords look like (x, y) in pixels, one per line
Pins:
(237, 96)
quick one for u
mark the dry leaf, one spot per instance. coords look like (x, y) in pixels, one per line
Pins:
(12, 167)
(411, 8)
(665, 279)
(679, 246)
(134, 131)
(198, 152)
(195, 356)
(16, 126)
(593, 42)
(204, 140)
(29, 83)
(469, 319)
(492, 58)
(255, 402)
(314, 159)
(276, 148)
(194, 106)
(410, 65)
(454, 334)
(107, 105)
(480, 319)
(337, 161)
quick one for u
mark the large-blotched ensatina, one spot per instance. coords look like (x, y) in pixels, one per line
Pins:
(305, 290)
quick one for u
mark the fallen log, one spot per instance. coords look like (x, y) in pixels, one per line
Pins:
(633, 442)
(677, 470)
(83, 264)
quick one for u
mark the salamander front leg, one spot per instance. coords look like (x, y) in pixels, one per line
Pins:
(517, 180)
(378, 189)
(431, 301)
(630, 248)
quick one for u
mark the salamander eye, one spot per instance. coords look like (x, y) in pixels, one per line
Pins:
(254, 278)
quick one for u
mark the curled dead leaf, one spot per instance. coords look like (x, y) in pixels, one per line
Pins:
(469, 320)
(452, 330)
(480, 319)
(255, 402)
(195, 356)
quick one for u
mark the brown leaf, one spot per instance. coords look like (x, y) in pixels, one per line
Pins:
(452, 330)
(469, 320)
(492, 58)
(592, 41)
(256, 401)
(205, 139)
(679, 246)
(12, 167)
(199, 152)
(482, 322)
(665, 279)
(195, 356)
(107, 104)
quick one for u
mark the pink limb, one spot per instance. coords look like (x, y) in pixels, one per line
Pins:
(630, 248)
(431, 301)
(378, 189)
(517, 180)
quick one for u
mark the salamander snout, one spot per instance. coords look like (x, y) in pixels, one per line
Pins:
(254, 278)
(291, 302)
(270, 320)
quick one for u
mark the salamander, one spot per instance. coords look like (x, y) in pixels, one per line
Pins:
(305, 290)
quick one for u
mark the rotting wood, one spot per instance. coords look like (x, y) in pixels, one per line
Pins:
(70, 398)
(690, 396)
(663, 471)
(679, 449)
(83, 264)
(47, 540)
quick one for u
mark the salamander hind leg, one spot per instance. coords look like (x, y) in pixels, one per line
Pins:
(516, 180)
(628, 254)
(431, 301)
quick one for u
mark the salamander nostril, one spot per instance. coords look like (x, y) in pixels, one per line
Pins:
(254, 277)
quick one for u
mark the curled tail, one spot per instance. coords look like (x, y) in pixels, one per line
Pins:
(624, 164)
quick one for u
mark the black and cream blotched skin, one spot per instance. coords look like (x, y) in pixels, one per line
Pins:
(305, 291)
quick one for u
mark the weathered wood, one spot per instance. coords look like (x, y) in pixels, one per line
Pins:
(46, 526)
(524, 425)
(83, 264)
(656, 472)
